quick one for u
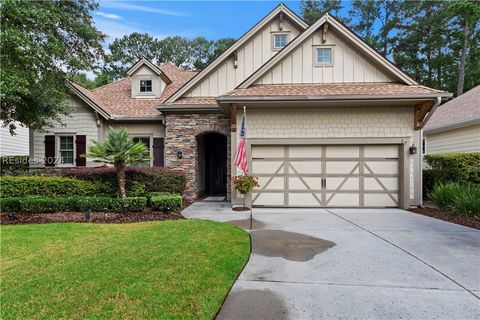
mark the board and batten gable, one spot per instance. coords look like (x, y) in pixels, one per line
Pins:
(349, 66)
(251, 56)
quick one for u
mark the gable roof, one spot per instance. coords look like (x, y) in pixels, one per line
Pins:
(348, 34)
(114, 101)
(280, 8)
(462, 110)
(151, 66)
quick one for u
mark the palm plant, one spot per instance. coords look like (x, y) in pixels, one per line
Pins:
(119, 150)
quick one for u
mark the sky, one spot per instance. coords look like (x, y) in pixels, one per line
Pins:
(210, 19)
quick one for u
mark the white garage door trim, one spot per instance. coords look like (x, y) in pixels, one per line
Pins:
(286, 174)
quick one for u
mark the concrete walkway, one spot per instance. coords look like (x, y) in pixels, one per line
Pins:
(352, 263)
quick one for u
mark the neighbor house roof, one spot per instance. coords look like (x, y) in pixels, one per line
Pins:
(114, 101)
(349, 90)
(461, 110)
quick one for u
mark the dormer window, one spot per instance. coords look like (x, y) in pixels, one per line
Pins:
(280, 40)
(145, 86)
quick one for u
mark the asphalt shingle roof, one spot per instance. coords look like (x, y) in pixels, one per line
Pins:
(462, 108)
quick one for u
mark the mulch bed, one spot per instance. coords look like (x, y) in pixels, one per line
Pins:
(448, 216)
(96, 217)
(241, 209)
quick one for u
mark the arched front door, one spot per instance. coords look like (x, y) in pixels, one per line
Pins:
(214, 159)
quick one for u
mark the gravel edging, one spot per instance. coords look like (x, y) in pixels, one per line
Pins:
(448, 216)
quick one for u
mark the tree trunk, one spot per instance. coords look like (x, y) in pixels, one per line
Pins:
(463, 57)
(120, 168)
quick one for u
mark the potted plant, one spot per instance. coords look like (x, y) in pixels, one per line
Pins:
(244, 183)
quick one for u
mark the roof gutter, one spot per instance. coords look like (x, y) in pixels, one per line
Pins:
(437, 96)
(147, 118)
(432, 110)
(188, 108)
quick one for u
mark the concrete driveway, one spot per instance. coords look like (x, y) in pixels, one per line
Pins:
(352, 263)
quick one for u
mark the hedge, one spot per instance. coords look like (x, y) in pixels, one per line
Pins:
(40, 204)
(455, 167)
(167, 202)
(22, 186)
(13, 165)
(139, 180)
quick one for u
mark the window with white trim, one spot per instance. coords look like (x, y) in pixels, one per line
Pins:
(323, 56)
(146, 142)
(66, 150)
(279, 40)
(145, 86)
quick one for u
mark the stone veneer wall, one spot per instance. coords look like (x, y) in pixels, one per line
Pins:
(181, 131)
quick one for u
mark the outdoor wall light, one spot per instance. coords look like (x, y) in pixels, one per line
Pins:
(413, 149)
(179, 154)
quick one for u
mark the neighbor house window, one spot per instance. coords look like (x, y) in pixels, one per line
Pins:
(146, 142)
(145, 85)
(66, 150)
(424, 146)
(279, 40)
(323, 56)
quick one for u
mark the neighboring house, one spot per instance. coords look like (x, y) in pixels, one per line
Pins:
(330, 122)
(16, 145)
(455, 125)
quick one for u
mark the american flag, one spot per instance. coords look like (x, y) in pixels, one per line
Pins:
(241, 157)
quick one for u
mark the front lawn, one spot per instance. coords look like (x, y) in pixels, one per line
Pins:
(165, 270)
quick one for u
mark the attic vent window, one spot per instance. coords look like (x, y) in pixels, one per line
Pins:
(279, 40)
(145, 85)
(324, 56)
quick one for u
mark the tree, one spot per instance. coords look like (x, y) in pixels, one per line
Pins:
(200, 51)
(176, 50)
(119, 150)
(466, 14)
(220, 46)
(312, 10)
(127, 50)
(41, 43)
(366, 12)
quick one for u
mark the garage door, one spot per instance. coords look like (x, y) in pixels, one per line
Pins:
(326, 176)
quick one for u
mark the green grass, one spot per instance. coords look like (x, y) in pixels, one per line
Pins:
(164, 270)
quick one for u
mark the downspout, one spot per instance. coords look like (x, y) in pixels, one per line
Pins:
(429, 115)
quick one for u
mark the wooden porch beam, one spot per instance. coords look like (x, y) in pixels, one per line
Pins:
(233, 117)
(421, 110)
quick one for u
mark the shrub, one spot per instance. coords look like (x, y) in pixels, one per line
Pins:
(461, 199)
(48, 186)
(10, 204)
(166, 202)
(13, 165)
(428, 182)
(40, 204)
(140, 180)
(455, 167)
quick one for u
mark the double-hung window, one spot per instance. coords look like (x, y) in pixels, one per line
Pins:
(279, 40)
(323, 56)
(145, 86)
(66, 150)
(146, 142)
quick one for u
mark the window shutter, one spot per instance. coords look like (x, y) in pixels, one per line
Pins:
(81, 147)
(158, 148)
(49, 151)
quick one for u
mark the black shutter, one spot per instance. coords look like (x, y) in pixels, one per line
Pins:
(50, 151)
(81, 146)
(158, 147)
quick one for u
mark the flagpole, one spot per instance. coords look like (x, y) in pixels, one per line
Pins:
(251, 209)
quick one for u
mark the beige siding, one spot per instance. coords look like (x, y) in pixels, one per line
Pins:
(145, 73)
(81, 121)
(466, 139)
(251, 56)
(153, 129)
(348, 65)
(14, 145)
